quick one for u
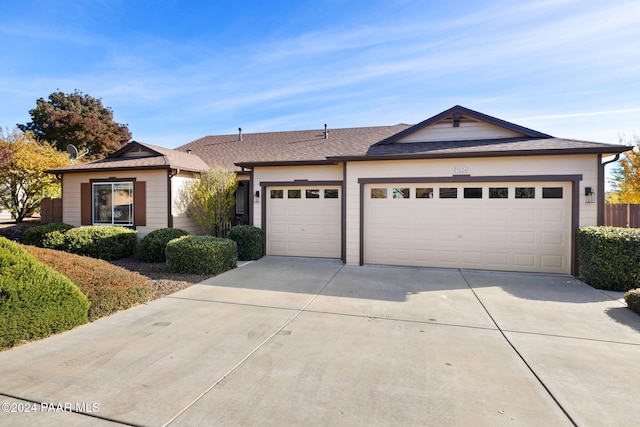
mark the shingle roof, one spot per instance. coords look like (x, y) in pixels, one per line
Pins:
(153, 157)
(504, 146)
(292, 146)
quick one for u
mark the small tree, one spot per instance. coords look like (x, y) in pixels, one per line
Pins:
(626, 177)
(23, 181)
(211, 199)
(77, 119)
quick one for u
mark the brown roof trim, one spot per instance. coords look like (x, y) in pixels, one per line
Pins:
(329, 161)
(113, 169)
(506, 153)
(470, 113)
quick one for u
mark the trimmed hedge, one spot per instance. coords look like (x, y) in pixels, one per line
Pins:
(201, 255)
(153, 245)
(103, 242)
(632, 299)
(35, 300)
(250, 241)
(609, 257)
(109, 288)
(47, 235)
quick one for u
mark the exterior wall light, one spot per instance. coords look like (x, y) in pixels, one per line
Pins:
(590, 194)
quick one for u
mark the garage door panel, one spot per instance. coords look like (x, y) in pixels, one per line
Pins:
(502, 233)
(304, 227)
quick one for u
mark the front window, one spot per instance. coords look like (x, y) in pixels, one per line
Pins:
(113, 203)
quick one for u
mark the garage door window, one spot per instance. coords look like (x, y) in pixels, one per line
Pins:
(552, 192)
(401, 193)
(277, 194)
(525, 193)
(312, 194)
(448, 193)
(473, 193)
(378, 193)
(294, 194)
(331, 194)
(424, 193)
(498, 192)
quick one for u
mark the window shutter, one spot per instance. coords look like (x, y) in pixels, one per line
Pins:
(85, 203)
(140, 203)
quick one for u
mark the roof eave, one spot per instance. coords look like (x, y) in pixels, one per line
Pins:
(287, 163)
(505, 153)
(121, 168)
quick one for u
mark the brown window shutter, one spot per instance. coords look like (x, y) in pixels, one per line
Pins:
(85, 203)
(140, 203)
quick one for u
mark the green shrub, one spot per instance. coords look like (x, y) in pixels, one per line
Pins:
(152, 246)
(35, 300)
(632, 298)
(103, 242)
(46, 235)
(109, 288)
(201, 255)
(250, 241)
(609, 257)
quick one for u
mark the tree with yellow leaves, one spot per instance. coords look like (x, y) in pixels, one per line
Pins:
(23, 181)
(211, 199)
(626, 177)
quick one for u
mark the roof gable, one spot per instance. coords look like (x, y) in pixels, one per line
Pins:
(461, 124)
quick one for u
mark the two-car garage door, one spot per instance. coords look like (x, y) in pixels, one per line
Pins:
(497, 226)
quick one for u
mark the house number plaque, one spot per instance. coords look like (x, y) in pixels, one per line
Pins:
(460, 169)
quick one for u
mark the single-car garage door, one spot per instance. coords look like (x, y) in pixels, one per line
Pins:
(304, 221)
(522, 226)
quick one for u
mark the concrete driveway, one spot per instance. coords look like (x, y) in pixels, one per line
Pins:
(286, 341)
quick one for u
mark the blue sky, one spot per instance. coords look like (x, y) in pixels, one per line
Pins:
(175, 71)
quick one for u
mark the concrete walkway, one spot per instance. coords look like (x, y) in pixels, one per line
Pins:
(285, 341)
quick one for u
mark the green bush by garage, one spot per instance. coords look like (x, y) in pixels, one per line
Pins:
(250, 241)
(632, 298)
(47, 235)
(201, 255)
(35, 300)
(152, 246)
(109, 288)
(609, 257)
(103, 242)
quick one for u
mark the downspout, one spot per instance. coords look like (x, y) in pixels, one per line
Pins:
(601, 199)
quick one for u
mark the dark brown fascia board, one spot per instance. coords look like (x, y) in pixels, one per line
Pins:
(470, 113)
(114, 169)
(510, 153)
(287, 163)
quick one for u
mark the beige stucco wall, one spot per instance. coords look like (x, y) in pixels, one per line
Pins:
(288, 173)
(157, 214)
(585, 165)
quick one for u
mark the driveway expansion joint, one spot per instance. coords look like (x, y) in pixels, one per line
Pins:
(252, 352)
(546, 388)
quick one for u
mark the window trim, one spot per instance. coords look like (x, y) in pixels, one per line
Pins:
(113, 182)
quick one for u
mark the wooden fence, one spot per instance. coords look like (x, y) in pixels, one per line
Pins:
(50, 210)
(627, 215)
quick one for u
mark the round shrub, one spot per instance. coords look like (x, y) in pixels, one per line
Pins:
(201, 255)
(103, 242)
(152, 246)
(47, 235)
(250, 241)
(35, 300)
(632, 298)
